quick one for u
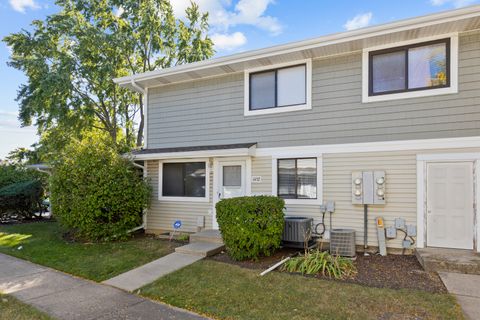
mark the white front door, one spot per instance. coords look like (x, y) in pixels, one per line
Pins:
(450, 211)
(231, 182)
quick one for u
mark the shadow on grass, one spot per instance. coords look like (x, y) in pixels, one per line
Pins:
(12, 239)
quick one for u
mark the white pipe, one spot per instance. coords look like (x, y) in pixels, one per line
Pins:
(275, 266)
(137, 87)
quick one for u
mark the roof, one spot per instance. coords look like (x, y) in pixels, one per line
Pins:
(460, 20)
(238, 149)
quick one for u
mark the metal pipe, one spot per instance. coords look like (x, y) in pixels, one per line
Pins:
(365, 228)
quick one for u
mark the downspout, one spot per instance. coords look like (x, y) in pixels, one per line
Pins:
(144, 94)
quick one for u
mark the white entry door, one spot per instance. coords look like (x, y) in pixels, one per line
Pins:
(231, 182)
(450, 212)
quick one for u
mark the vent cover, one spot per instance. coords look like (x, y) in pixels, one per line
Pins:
(342, 242)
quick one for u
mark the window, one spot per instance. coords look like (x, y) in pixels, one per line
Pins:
(297, 178)
(281, 87)
(184, 179)
(410, 68)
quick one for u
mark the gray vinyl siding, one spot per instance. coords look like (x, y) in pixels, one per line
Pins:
(210, 111)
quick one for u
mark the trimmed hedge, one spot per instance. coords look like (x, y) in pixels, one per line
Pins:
(251, 226)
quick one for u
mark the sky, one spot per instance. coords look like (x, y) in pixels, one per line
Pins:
(235, 26)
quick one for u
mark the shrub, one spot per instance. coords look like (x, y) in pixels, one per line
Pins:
(22, 192)
(21, 199)
(251, 226)
(95, 192)
(321, 262)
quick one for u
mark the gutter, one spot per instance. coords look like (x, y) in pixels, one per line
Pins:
(137, 87)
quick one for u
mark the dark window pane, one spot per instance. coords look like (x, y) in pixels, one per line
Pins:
(388, 72)
(306, 178)
(286, 178)
(232, 176)
(427, 66)
(183, 179)
(262, 90)
(195, 179)
(172, 184)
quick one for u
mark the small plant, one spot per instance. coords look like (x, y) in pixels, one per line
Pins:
(321, 262)
(251, 226)
(184, 237)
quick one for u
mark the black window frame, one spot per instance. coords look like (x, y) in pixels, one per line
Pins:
(276, 87)
(405, 49)
(184, 180)
(296, 178)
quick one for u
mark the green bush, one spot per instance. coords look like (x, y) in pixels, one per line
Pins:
(251, 226)
(321, 262)
(21, 199)
(95, 192)
(22, 192)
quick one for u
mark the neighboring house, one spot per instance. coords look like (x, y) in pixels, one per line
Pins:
(296, 120)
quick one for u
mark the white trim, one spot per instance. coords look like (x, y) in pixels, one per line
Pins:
(319, 199)
(453, 88)
(239, 152)
(184, 199)
(359, 34)
(422, 161)
(145, 119)
(308, 83)
(399, 145)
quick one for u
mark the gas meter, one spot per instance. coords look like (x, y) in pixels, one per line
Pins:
(368, 187)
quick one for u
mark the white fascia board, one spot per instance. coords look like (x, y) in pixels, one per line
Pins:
(398, 26)
(240, 152)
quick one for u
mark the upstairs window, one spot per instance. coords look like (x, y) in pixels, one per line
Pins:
(415, 67)
(282, 89)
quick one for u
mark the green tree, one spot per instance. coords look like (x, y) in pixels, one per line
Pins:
(72, 56)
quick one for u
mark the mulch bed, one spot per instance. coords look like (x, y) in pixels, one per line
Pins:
(392, 271)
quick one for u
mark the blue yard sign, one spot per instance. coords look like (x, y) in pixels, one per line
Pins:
(177, 224)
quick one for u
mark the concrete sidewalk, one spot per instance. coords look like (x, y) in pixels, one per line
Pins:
(67, 297)
(466, 288)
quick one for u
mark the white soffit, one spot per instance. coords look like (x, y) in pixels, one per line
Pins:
(460, 20)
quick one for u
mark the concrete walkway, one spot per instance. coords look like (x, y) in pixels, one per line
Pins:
(202, 244)
(138, 277)
(66, 297)
(466, 288)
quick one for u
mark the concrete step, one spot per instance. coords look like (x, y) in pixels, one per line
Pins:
(202, 249)
(449, 260)
(211, 236)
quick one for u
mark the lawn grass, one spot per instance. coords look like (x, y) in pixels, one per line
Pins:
(225, 291)
(12, 309)
(43, 243)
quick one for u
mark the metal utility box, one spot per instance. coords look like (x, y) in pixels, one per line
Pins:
(342, 242)
(297, 231)
(368, 187)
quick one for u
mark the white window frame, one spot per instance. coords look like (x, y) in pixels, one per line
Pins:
(184, 199)
(453, 88)
(308, 83)
(275, 159)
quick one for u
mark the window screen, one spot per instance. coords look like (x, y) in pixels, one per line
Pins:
(278, 88)
(297, 178)
(232, 176)
(185, 179)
